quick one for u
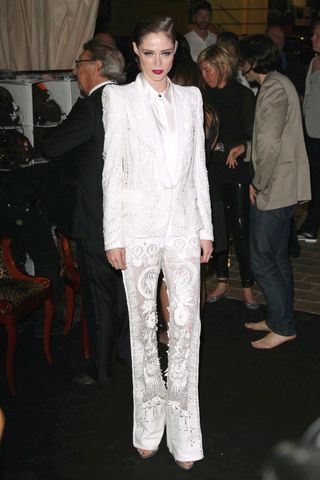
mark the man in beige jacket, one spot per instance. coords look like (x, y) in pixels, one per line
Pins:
(281, 180)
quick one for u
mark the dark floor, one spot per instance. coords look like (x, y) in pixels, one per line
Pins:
(250, 400)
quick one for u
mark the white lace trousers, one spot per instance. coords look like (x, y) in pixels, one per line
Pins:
(156, 405)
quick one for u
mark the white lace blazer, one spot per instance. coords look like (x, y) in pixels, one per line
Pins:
(138, 201)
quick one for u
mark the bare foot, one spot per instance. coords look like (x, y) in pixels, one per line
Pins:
(163, 338)
(258, 326)
(272, 340)
(185, 465)
(146, 453)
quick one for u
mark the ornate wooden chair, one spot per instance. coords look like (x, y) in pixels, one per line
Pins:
(72, 288)
(21, 294)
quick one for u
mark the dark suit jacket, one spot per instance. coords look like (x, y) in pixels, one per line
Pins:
(79, 140)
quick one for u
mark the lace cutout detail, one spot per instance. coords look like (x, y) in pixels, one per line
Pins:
(157, 404)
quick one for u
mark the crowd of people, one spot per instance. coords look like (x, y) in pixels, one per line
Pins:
(204, 149)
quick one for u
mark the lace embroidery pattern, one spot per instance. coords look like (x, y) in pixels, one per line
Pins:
(157, 404)
(130, 171)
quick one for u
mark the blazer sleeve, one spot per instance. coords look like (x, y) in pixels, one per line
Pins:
(75, 130)
(113, 121)
(200, 173)
(271, 116)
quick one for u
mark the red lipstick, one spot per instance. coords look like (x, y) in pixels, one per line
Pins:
(157, 72)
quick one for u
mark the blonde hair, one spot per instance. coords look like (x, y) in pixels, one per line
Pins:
(221, 59)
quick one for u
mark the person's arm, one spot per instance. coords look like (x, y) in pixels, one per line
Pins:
(270, 123)
(75, 130)
(246, 103)
(202, 184)
(112, 176)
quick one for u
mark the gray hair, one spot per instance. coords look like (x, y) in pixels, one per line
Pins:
(112, 59)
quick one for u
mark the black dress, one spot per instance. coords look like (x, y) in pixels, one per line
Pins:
(235, 107)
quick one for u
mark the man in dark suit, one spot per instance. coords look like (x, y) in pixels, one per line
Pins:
(79, 139)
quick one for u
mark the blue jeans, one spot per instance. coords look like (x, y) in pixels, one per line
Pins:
(270, 265)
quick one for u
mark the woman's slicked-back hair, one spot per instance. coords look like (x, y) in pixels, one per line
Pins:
(260, 53)
(154, 24)
(221, 59)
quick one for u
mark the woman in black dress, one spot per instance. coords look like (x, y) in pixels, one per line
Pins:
(229, 167)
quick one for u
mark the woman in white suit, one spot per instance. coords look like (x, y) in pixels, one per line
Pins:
(157, 216)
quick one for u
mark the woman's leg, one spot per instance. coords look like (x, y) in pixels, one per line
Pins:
(237, 198)
(181, 265)
(143, 258)
(164, 306)
(222, 232)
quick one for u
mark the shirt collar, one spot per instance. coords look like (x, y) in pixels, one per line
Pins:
(209, 35)
(153, 95)
(102, 84)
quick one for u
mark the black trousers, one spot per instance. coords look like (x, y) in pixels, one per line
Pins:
(235, 198)
(105, 308)
(312, 221)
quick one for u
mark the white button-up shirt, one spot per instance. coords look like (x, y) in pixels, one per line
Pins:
(107, 82)
(197, 44)
(162, 105)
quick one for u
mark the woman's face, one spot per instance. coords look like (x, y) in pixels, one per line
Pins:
(211, 75)
(156, 52)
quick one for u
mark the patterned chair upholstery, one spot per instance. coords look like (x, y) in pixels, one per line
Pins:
(71, 277)
(20, 295)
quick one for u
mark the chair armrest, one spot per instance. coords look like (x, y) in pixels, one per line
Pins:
(13, 269)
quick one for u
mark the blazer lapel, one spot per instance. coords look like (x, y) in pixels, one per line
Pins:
(179, 115)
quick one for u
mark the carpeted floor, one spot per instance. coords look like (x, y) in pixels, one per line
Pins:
(250, 400)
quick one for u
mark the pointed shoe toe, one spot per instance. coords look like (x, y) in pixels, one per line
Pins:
(252, 306)
(216, 298)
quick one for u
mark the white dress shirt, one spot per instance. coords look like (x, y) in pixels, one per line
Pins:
(163, 109)
(102, 84)
(197, 44)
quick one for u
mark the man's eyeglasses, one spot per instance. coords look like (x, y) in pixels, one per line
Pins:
(77, 62)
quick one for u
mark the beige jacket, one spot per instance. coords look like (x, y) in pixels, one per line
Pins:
(278, 151)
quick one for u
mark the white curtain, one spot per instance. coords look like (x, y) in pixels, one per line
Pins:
(44, 34)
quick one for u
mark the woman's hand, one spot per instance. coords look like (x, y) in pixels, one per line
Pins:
(234, 153)
(117, 258)
(207, 249)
